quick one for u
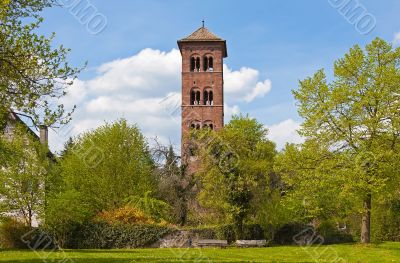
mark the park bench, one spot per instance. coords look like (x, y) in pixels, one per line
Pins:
(212, 243)
(251, 243)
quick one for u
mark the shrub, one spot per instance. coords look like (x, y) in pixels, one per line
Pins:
(331, 234)
(285, 234)
(125, 215)
(96, 235)
(253, 231)
(386, 222)
(227, 232)
(16, 235)
(155, 208)
(327, 233)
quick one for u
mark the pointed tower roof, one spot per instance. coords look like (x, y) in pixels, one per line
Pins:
(203, 35)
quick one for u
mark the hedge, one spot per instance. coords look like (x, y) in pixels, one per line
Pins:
(326, 233)
(16, 235)
(227, 232)
(96, 235)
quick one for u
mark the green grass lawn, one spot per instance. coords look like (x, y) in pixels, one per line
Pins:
(386, 252)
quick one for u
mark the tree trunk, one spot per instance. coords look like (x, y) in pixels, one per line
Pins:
(366, 221)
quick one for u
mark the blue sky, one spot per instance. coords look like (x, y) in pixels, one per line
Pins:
(279, 41)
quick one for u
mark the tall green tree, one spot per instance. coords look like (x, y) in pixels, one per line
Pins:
(175, 186)
(33, 74)
(236, 163)
(107, 165)
(315, 183)
(23, 176)
(357, 114)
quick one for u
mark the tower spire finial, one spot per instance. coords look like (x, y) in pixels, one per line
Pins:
(203, 22)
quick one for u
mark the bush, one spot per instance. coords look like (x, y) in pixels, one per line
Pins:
(285, 234)
(227, 232)
(331, 234)
(16, 235)
(386, 222)
(125, 215)
(327, 233)
(96, 235)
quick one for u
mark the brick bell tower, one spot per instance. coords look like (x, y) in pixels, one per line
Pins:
(202, 85)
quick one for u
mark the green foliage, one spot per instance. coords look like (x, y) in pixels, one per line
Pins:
(353, 124)
(284, 235)
(313, 183)
(174, 185)
(103, 235)
(17, 235)
(125, 215)
(229, 233)
(34, 74)
(64, 211)
(107, 165)
(11, 232)
(236, 163)
(386, 222)
(23, 175)
(98, 171)
(330, 233)
(151, 206)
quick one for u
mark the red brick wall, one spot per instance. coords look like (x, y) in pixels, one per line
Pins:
(202, 80)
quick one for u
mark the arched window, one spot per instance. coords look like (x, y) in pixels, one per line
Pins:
(205, 98)
(195, 125)
(205, 63)
(192, 97)
(208, 97)
(195, 63)
(211, 63)
(192, 63)
(197, 99)
(208, 125)
(208, 63)
(195, 96)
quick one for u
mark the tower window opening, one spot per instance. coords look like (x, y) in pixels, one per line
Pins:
(205, 98)
(198, 64)
(195, 125)
(205, 63)
(197, 100)
(208, 125)
(194, 97)
(195, 63)
(208, 63)
(192, 63)
(208, 97)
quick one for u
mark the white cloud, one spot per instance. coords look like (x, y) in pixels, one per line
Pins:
(285, 132)
(260, 90)
(230, 111)
(145, 89)
(75, 94)
(396, 39)
(148, 73)
(244, 85)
